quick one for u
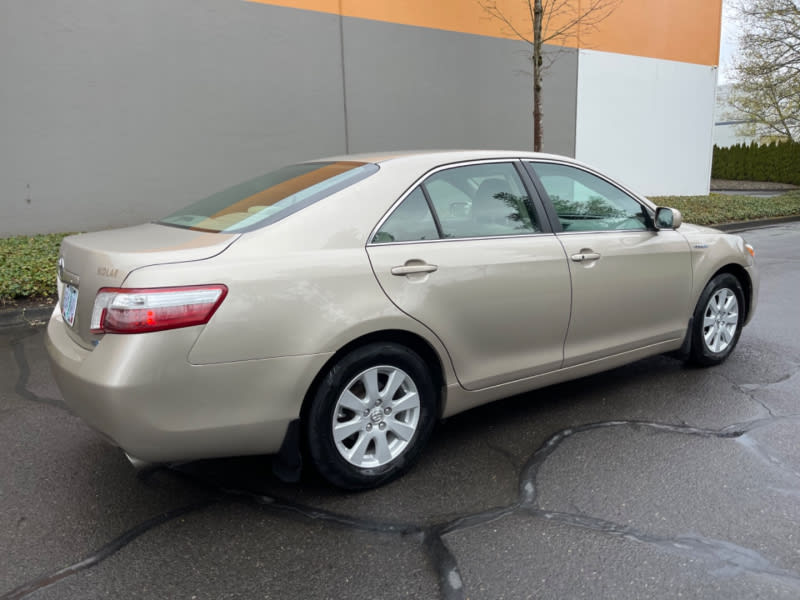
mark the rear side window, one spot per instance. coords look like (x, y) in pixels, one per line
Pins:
(269, 198)
(410, 222)
(480, 200)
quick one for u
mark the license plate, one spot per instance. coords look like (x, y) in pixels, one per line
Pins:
(69, 301)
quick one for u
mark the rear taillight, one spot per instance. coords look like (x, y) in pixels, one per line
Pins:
(121, 310)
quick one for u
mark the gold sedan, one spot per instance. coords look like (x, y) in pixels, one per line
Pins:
(336, 309)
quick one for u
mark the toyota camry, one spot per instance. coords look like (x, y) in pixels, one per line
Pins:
(336, 309)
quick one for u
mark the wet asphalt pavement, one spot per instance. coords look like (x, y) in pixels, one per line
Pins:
(650, 481)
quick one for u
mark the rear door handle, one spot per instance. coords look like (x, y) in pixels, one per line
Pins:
(413, 268)
(585, 256)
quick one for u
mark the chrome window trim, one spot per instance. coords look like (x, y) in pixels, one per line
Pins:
(605, 231)
(466, 239)
(433, 171)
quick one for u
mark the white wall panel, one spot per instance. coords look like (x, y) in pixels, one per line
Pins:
(646, 122)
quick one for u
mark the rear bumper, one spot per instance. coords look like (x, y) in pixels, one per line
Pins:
(141, 392)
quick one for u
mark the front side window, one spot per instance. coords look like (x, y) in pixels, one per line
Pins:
(268, 198)
(585, 202)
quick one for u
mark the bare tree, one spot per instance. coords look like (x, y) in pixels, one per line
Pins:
(557, 22)
(766, 74)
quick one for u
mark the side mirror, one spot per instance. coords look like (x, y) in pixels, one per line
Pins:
(668, 218)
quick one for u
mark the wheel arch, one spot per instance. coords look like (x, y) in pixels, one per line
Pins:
(743, 277)
(405, 338)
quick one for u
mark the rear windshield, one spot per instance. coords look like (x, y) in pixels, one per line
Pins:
(269, 198)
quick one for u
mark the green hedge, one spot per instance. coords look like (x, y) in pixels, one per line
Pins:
(778, 162)
(28, 266)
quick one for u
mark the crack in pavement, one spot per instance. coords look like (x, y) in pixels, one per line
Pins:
(321, 514)
(750, 389)
(102, 553)
(750, 392)
(757, 449)
(24, 372)
(527, 485)
(509, 456)
(444, 562)
(733, 559)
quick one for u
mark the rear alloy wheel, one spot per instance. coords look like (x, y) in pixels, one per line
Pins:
(371, 416)
(718, 320)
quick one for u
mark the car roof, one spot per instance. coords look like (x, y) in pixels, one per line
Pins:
(440, 156)
(402, 160)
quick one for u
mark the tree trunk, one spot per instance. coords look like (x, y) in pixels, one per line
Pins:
(537, 75)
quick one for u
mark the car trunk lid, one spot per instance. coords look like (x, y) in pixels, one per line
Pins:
(91, 261)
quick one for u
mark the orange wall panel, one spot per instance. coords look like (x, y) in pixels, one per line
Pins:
(681, 30)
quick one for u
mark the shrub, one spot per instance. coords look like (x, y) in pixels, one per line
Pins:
(778, 162)
(28, 266)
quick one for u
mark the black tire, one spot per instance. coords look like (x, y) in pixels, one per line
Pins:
(702, 352)
(376, 429)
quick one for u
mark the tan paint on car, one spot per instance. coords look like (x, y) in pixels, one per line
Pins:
(494, 335)
(302, 288)
(213, 410)
(121, 250)
(713, 250)
(637, 292)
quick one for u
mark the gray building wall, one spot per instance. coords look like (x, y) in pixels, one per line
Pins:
(411, 87)
(115, 112)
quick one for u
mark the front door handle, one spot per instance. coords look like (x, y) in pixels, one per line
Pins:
(410, 269)
(585, 256)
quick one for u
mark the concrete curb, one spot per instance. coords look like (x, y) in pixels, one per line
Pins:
(745, 225)
(724, 185)
(36, 315)
(29, 315)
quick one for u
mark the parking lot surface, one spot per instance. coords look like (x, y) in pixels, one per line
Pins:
(654, 480)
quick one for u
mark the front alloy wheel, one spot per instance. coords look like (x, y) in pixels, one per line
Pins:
(718, 320)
